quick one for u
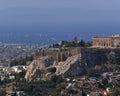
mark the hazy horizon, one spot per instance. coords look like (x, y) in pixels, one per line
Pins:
(31, 21)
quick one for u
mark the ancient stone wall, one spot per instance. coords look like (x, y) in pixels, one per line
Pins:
(58, 54)
(97, 56)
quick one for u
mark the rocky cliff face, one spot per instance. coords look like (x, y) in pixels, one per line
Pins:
(71, 67)
(98, 56)
(45, 67)
(38, 68)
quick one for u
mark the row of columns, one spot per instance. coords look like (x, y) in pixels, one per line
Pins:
(102, 42)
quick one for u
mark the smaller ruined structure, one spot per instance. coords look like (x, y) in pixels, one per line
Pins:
(110, 41)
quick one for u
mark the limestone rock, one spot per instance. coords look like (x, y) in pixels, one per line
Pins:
(38, 68)
(71, 67)
(46, 66)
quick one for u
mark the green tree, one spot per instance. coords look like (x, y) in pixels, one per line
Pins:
(90, 72)
(2, 92)
(60, 86)
(116, 92)
(56, 79)
(81, 43)
(75, 39)
(117, 59)
(88, 44)
(105, 81)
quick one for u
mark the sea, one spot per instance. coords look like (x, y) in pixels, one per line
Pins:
(48, 35)
(45, 38)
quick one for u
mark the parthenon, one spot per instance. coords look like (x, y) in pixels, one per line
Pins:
(110, 41)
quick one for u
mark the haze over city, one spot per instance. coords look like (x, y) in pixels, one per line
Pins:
(28, 21)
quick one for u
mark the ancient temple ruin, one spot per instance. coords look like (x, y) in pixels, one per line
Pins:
(110, 41)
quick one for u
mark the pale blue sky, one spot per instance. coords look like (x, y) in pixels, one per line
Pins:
(36, 11)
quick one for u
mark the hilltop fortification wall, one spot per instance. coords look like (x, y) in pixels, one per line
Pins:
(89, 56)
(97, 56)
(58, 54)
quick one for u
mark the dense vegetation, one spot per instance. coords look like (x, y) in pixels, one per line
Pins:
(42, 88)
(73, 43)
(2, 92)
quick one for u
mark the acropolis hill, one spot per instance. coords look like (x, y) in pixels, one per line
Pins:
(73, 61)
(62, 53)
